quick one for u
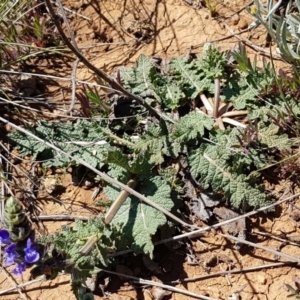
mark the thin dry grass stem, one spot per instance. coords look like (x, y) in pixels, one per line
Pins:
(238, 271)
(76, 13)
(21, 186)
(251, 45)
(2, 193)
(42, 102)
(56, 50)
(20, 286)
(66, 22)
(13, 282)
(27, 107)
(4, 180)
(104, 176)
(8, 183)
(163, 286)
(240, 10)
(27, 12)
(233, 34)
(287, 256)
(276, 238)
(73, 81)
(23, 173)
(290, 157)
(20, 158)
(199, 232)
(59, 78)
(88, 46)
(34, 74)
(62, 217)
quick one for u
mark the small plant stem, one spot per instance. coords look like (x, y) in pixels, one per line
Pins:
(73, 80)
(104, 176)
(19, 286)
(217, 98)
(163, 286)
(206, 104)
(289, 257)
(115, 138)
(219, 123)
(114, 84)
(90, 243)
(235, 113)
(118, 202)
(234, 122)
(223, 273)
(58, 218)
(199, 232)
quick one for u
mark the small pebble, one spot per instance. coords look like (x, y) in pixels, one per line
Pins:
(243, 24)
(235, 19)
(261, 278)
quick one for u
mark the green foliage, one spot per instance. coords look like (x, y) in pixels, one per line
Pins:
(153, 142)
(173, 97)
(233, 154)
(213, 62)
(78, 138)
(186, 78)
(25, 33)
(244, 88)
(160, 155)
(284, 28)
(141, 221)
(269, 134)
(224, 160)
(71, 239)
(213, 166)
(190, 77)
(191, 127)
(142, 80)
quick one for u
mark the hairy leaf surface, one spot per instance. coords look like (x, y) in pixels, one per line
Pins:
(76, 138)
(142, 79)
(211, 165)
(191, 126)
(140, 221)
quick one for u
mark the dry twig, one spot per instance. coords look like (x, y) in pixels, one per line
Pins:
(19, 286)
(61, 217)
(287, 256)
(223, 273)
(163, 286)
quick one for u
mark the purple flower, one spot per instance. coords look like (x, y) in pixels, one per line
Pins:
(4, 236)
(10, 254)
(31, 255)
(20, 268)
